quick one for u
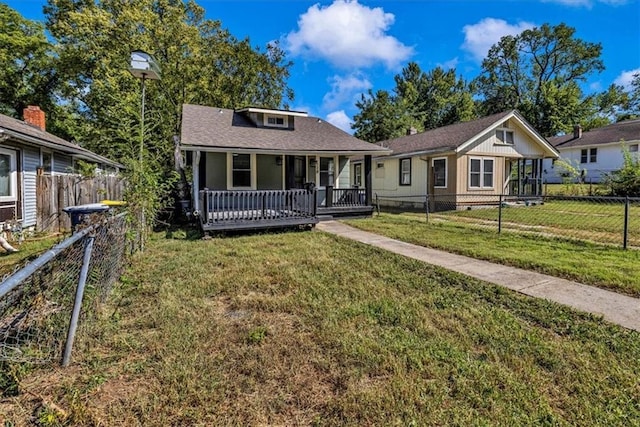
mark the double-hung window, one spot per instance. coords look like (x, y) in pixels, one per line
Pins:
(405, 171)
(589, 155)
(241, 170)
(357, 170)
(439, 172)
(480, 173)
(8, 175)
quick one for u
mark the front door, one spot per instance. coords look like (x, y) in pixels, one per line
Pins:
(296, 171)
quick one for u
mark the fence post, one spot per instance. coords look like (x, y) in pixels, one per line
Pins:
(426, 206)
(377, 205)
(625, 237)
(77, 305)
(500, 214)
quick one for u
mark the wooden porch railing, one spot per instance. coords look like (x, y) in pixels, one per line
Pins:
(256, 209)
(345, 197)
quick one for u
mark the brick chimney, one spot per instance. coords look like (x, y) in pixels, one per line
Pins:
(577, 131)
(412, 131)
(34, 116)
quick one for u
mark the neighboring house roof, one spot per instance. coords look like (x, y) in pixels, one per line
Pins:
(457, 137)
(26, 133)
(225, 129)
(628, 130)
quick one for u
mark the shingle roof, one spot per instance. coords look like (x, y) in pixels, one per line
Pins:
(227, 129)
(628, 130)
(446, 138)
(23, 131)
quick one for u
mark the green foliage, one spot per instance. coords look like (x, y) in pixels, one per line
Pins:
(570, 173)
(538, 72)
(420, 100)
(626, 180)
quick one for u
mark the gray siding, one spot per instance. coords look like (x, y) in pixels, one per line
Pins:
(30, 163)
(344, 180)
(62, 163)
(216, 171)
(269, 173)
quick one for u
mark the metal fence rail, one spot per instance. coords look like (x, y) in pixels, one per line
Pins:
(41, 304)
(603, 220)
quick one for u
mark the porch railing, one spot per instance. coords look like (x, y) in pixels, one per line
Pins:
(345, 197)
(256, 206)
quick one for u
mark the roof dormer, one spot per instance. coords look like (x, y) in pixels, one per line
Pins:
(279, 119)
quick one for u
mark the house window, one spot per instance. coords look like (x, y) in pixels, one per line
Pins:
(505, 136)
(589, 155)
(47, 162)
(480, 173)
(357, 179)
(7, 175)
(326, 171)
(379, 165)
(633, 148)
(439, 173)
(405, 171)
(275, 121)
(241, 170)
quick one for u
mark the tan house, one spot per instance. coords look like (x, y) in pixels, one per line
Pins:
(501, 154)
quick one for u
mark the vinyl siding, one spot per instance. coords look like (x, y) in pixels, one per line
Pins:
(30, 162)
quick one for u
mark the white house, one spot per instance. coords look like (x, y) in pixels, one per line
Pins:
(595, 153)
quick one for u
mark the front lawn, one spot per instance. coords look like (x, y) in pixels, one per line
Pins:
(588, 263)
(312, 329)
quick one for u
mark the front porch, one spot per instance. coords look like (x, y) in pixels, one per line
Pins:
(261, 209)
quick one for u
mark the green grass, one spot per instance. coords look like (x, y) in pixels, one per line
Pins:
(580, 220)
(311, 329)
(29, 250)
(593, 264)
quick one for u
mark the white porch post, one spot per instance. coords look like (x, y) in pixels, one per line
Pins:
(196, 181)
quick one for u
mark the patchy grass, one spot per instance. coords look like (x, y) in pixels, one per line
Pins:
(311, 329)
(598, 265)
(30, 249)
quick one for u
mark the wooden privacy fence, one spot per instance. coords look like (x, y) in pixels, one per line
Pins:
(53, 193)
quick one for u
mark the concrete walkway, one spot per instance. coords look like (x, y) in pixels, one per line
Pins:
(616, 308)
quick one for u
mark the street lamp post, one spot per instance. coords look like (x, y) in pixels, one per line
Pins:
(144, 67)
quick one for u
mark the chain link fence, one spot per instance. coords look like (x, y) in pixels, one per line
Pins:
(603, 220)
(42, 303)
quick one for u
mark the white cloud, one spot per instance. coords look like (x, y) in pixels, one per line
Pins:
(624, 79)
(479, 37)
(340, 120)
(595, 86)
(586, 3)
(347, 34)
(447, 65)
(345, 90)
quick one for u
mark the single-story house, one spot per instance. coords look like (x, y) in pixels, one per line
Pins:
(594, 153)
(256, 167)
(496, 155)
(27, 149)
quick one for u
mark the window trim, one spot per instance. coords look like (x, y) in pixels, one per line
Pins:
(403, 172)
(357, 172)
(250, 171)
(285, 121)
(593, 155)
(13, 175)
(504, 132)
(446, 172)
(482, 173)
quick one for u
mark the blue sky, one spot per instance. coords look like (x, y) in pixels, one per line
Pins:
(342, 48)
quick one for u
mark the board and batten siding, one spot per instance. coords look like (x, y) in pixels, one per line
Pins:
(30, 164)
(499, 170)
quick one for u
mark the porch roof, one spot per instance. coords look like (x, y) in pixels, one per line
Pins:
(224, 129)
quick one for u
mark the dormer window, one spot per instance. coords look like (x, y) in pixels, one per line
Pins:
(275, 121)
(505, 136)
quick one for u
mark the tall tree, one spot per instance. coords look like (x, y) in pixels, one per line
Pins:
(28, 73)
(422, 100)
(538, 72)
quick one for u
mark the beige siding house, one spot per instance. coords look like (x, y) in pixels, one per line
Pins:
(500, 154)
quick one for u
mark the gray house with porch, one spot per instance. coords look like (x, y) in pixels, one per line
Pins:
(257, 168)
